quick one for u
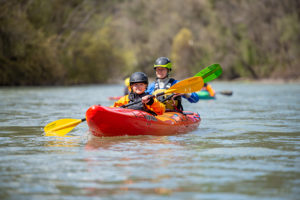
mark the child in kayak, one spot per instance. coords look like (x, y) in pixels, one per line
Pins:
(162, 67)
(138, 84)
(127, 86)
(209, 89)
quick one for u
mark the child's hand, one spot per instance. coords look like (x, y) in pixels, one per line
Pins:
(146, 99)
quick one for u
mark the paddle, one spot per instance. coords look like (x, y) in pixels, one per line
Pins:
(63, 126)
(210, 73)
(188, 85)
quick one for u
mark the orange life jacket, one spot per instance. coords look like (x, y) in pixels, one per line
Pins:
(210, 90)
(156, 107)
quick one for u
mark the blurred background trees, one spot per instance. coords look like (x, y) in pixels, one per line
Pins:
(89, 41)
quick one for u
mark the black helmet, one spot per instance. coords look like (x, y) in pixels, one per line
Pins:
(138, 77)
(163, 62)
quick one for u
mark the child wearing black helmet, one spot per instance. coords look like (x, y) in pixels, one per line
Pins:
(138, 84)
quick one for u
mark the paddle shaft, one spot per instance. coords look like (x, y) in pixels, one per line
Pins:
(136, 102)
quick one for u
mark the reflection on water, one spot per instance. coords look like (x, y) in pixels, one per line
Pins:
(96, 143)
(246, 147)
(127, 153)
(64, 141)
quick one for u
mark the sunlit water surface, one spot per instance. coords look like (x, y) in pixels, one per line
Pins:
(246, 147)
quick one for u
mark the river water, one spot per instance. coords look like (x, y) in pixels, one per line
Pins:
(246, 147)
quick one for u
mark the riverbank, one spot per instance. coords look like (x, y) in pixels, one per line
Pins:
(114, 81)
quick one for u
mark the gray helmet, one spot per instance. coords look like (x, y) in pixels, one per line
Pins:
(138, 77)
(163, 62)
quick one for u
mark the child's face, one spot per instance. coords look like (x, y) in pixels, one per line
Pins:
(139, 88)
(161, 72)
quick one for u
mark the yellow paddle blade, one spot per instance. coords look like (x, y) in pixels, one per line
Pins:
(188, 85)
(61, 127)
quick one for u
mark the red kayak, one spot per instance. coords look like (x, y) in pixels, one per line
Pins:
(110, 121)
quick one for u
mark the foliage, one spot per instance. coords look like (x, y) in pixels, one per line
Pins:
(182, 52)
(89, 41)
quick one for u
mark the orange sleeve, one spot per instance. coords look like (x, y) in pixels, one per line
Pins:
(211, 91)
(157, 107)
(123, 101)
